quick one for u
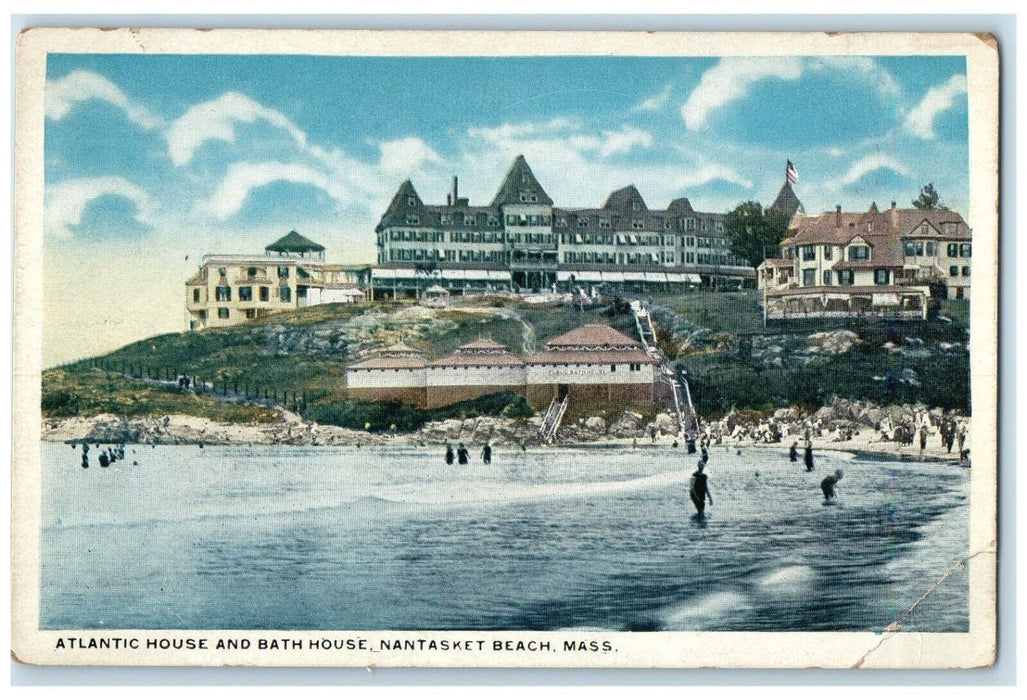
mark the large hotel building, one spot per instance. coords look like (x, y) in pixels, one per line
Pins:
(522, 241)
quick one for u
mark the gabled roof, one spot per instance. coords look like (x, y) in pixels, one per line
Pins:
(681, 205)
(591, 335)
(401, 349)
(838, 228)
(481, 353)
(398, 362)
(483, 345)
(787, 202)
(405, 201)
(293, 242)
(519, 179)
(623, 199)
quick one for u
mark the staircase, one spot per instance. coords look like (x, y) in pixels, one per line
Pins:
(688, 422)
(551, 419)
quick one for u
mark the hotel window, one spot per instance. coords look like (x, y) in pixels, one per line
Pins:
(196, 295)
(604, 223)
(222, 312)
(251, 313)
(637, 224)
(952, 250)
(930, 247)
(613, 368)
(827, 278)
(561, 222)
(251, 272)
(690, 241)
(954, 271)
(910, 249)
(859, 252)
(881, 276)
(827, 252)
(966, 271)
(412, 219)
(809, 278)
(285, 294)
(203, 314)
(846, 277)
(245, 293)
(582, 222)
(964, 250)
(689, 224)
(223, 293)
(809, 252)
(283, 272)
(264, 293)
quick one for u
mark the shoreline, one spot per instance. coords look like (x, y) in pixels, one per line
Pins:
(503, 434)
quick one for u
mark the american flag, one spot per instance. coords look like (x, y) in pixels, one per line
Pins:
(791, 174)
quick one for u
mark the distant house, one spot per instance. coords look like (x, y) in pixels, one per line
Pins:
(593, 363)
(292, 274)
(867, 264)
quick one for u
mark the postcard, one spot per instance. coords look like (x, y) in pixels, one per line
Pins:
(505, 349)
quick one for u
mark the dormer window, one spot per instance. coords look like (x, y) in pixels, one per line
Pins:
(411, 201)
(859, 252)
(636, 205)
(413, 219)
(637, 224)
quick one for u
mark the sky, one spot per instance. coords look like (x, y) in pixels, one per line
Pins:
(152, 161)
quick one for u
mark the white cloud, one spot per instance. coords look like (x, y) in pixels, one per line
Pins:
(66, 202)
(243, 178)
(868, 164)
(731, 80)
(508, 132)
(710, 172)
(654, 103)
(920, 120)
(864, 67)
(624, 140)
(404, 156)
(63, 94)
(733, 77)
(218, 118)
(561, 138)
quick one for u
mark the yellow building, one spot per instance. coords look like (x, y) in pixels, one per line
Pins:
(292, 274)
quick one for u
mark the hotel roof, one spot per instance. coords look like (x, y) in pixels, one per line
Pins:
(293, 242)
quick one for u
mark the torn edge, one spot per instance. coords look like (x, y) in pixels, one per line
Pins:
(894, 628)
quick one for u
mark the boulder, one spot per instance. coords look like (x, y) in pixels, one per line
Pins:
(665, 423)
(595, 424)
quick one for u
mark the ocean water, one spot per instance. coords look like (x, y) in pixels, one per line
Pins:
(273, 537)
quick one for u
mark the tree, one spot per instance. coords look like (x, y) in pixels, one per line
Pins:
(929, 198)
(752, 231)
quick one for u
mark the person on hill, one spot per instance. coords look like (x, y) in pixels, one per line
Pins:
(462, 454)
(486, 453)
(793, 452)
(449, 454)
(809, 456)
(829, 483)
(699, 490)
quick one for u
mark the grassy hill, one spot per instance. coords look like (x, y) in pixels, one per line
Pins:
(298, 359)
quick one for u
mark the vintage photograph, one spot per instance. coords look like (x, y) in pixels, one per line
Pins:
(523, 349)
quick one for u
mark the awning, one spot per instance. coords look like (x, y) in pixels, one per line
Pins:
(613, 276)
(634, 277)
(655, 276)
(590, 276)
(499, 275)
(476, 274)
(378, 274)
(564, 276)
(693, 278)
(453, 275)
(885, 299)
(578, 238)
(620, 239)
(675, 277)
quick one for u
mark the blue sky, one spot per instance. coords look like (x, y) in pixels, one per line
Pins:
(163, 157)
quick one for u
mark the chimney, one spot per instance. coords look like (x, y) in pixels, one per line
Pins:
(893, 204)
(838, 216)
(454, 195)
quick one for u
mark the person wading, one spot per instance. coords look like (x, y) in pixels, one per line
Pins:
(486, 454)
(449, 454)
(809, 456)
(462, 454)
(699, 490)
(829, 483)
(793, 452)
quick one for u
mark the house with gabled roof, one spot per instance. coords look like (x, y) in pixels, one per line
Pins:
(867, 264)
(229, 289)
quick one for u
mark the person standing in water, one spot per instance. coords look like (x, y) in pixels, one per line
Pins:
(793, 452)
(828, 484)
(699, 490)
(809, 456)
(462, 454)
(704, 451)
(486, 453)
(449, 454)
